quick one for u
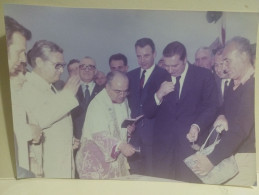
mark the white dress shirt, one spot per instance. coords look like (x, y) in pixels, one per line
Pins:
(147, 74)
(91, 86)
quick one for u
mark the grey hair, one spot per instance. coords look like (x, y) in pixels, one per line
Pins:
(242, 45)
(42, 49)
(204, 48)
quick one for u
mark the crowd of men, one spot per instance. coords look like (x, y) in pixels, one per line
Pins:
(74, 129)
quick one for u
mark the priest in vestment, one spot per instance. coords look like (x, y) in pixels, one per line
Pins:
(104, 148)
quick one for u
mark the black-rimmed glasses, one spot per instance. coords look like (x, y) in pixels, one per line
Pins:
(58, 66)
(120, 92)
(87, 67)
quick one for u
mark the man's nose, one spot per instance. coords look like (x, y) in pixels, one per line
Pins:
(171, 69)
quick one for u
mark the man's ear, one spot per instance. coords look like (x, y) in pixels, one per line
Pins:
(244, 56)
(154, 54)
(39, 62)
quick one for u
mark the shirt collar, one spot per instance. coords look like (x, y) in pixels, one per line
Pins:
(148, 71)
(245, 78)
(89, 84)
(183, 73)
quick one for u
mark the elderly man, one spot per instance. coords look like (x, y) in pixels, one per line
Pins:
(204, 58)
(16, 36)
(100, 78)
(118, 62)
(236, 116)
(183, 109)
(86, 92)
(50, 109)
(143, 81)
(104, 148)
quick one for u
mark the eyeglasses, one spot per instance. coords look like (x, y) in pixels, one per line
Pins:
(120, 92)
(58, 66)
(87, 67)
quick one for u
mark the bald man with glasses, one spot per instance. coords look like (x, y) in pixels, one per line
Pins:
(105, 148)
(86, 92)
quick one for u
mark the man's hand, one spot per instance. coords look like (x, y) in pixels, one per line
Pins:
(221, 124)
(36, 133)
(165, 88)
(72, 84)
(131, 128)
(76, 143)
(126, 149)
(203, 165)
(192, 136)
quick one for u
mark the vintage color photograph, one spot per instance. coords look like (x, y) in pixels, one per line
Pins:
(133, 94)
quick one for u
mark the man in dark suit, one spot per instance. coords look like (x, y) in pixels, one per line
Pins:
(183, 109)
(86, 92)
(221, 75)
(143, 81)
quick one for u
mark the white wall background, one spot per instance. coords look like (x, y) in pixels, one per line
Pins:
(99, 33)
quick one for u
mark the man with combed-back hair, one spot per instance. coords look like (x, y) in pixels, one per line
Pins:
(50, 109)
(184, 109)
(143, 81)
(25, 133)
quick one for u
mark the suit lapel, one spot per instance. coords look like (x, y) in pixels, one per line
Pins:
(150, 77)
(186, 83)
(95, 91)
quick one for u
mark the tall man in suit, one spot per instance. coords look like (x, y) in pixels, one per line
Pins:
(183, 109)
(86, 92)
(143, 81)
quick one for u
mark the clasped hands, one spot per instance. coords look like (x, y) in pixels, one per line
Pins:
(165, 88)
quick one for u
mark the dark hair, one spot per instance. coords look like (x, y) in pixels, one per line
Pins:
(12, 26)
(175, 48)
(110, 76)
(42, 49)
(72, 62)
(144, 42)
(119, 56)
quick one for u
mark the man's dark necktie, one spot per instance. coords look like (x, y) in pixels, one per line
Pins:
(177, 87)
(87, 94)
(226, 86)
(142, 79)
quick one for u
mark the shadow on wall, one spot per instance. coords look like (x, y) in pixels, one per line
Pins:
(6, 101)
